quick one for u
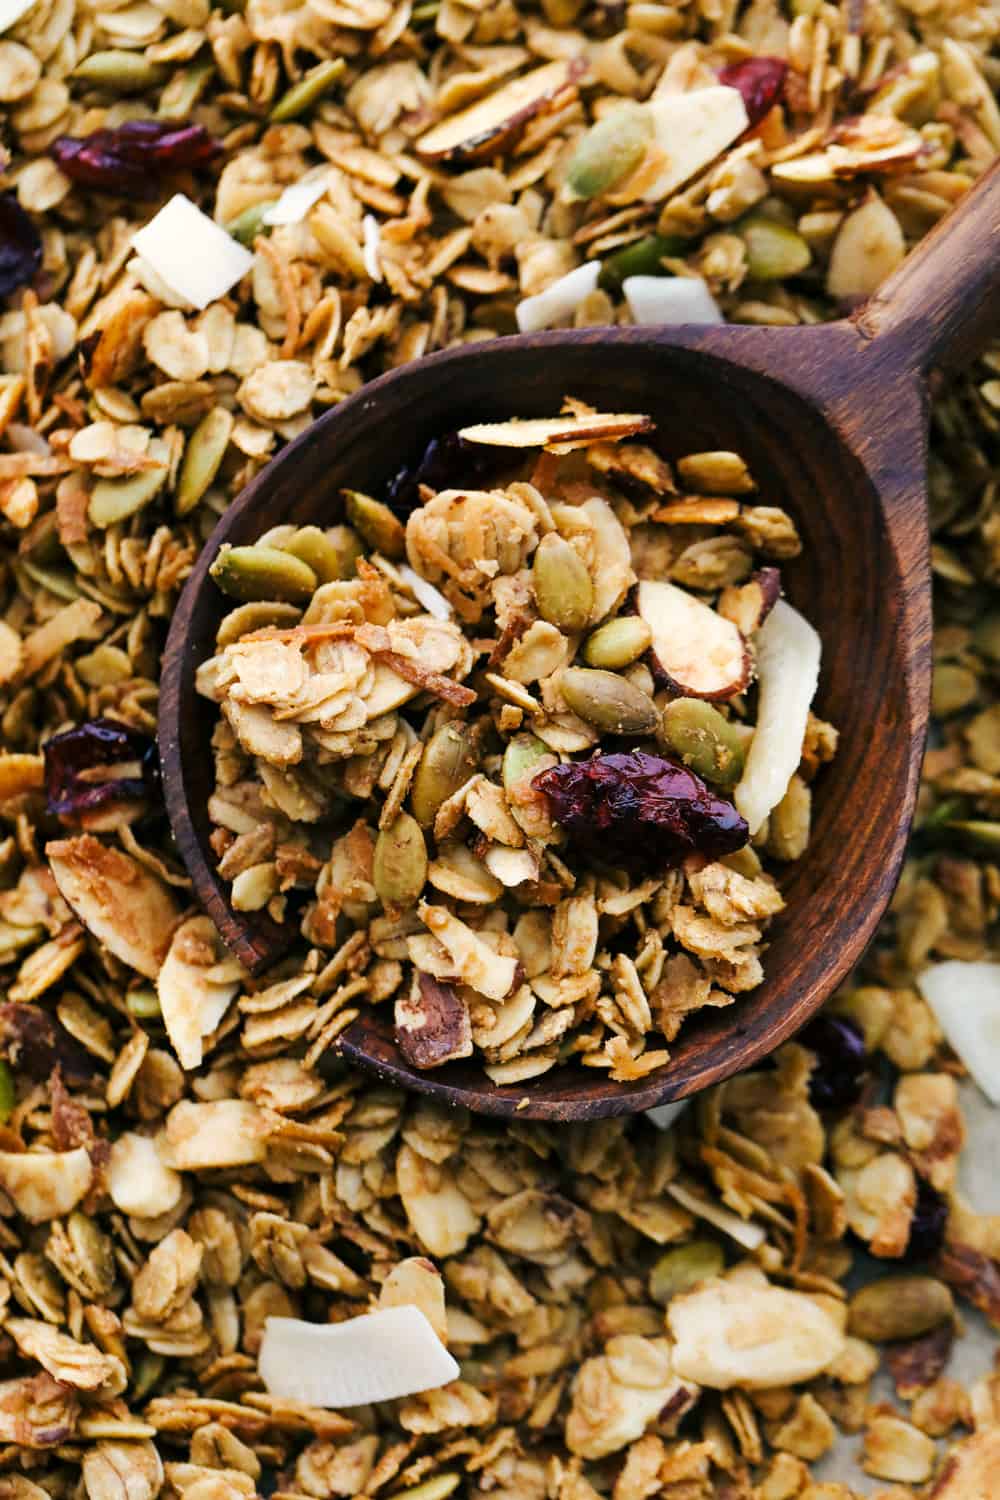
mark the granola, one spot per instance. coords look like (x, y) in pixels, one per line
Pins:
(160, 1205)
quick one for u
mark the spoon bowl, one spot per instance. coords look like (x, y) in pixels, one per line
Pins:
(832, 422)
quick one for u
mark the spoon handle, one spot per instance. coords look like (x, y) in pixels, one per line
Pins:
(943, 303)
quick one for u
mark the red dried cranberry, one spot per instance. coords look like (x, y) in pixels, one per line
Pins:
(640, 806)
(134, 158)
(449, 462)
(838, 1077)
(930, 1216)
(20, 246)
(35, 1043)
(73, 757)
(760, 80)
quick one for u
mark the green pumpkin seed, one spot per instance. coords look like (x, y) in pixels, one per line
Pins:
(978, 834)
(247, 617)
(250, 223)
(564, 591)
(93, 1250)
(146, 1372)
(8, 1093)
(680, 1269)
(522, 752)
(399, 866)
(250, 573)
(436, 1488)
(185, 89)
(114, 500)
(449, 759)
(422, 14)
(698, 735)
(144, 1005)
(205, 450)
(643, 258)
(773, 250)
(375, 524)
(899, 1307)
(54, 579)
(308, 91)
(323, 553)
(609, 151)
(120, 72)
(618, 643)
(608, 701)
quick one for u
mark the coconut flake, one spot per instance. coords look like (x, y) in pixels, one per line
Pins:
(11, 11)
(670, 299)
(297, 199)
(377, 1357)
(559, 300)
(195, 257)
(664, 1115)
(425, 593)
(139, 1183)
(543, 432)
(788, 657)
(372, 249)
(745, 1232)
(965, 998)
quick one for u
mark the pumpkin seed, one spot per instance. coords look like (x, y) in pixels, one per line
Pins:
(609, 702)
(899, 1307)
(978, 834)
(55, 580)
(8, 1093)
(618, 643)
(564, 591)
(120, 72)
(255, 616)
(522, 752)
(448, 761)
(609, 151)
(643, 258)
(321, 551)
(375, 523)
(399, 866)
(206, 448)
(146, 1372)
(250, 223)
(185, 89)
(773, 250)
(421, 14)
(144, 1005)
(680, 1269)
(698, 735)
(258, 572)
(436, 1488)
(308, 91)
(114, 500)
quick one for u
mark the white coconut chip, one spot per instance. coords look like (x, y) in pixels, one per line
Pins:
(197, 259)
(744, 1231)
(670, 299)
(788, 657)
(558, 301)
(11, 11)
(545, 432)
(965, 998)
(425, 593)
(297, 199)
(377, 1357)
(372, 248)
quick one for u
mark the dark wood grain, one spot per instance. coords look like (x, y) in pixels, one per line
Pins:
(832, 421)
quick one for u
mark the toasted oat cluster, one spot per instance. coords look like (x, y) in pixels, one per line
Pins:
(216, 221)
(529, 765)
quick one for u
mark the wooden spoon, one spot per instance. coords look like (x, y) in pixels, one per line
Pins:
(832, 420)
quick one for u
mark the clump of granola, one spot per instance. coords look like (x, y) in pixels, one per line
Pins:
(407, 743)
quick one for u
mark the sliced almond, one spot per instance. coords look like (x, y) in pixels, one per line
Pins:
(432, 1024)
(416, 1282)
(543, 432)
(489, 125)
(695, 652)
(138, 1181)
(191, 1002)
(122, 903)
(377, 1357)
(689, 132)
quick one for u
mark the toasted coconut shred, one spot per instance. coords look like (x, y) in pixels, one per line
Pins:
(233, 1267)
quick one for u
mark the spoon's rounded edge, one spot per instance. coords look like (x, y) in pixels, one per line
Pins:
(732, 1046)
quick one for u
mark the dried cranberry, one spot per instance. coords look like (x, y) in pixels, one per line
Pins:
(35, 1043)
(449, 462)
(73, 761)
(640, 806)
(760, 80)
(20, 246)
(930, 1215)
(838, 1077)
(135, 157)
